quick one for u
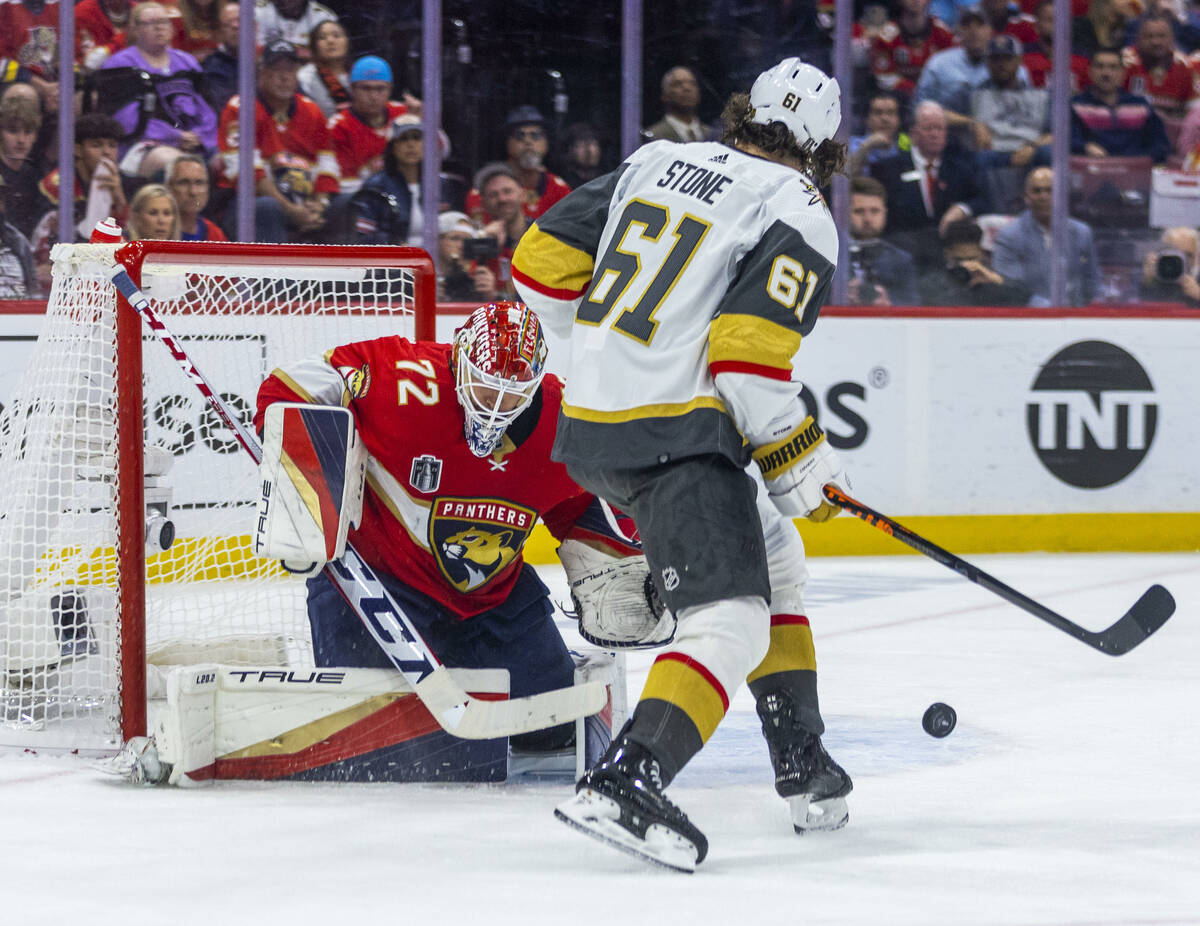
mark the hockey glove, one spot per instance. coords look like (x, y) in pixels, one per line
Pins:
(615, 599)
(797, 467)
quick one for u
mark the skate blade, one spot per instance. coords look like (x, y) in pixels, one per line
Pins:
(818, 816)
(597, 816)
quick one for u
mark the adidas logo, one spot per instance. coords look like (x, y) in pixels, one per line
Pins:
(719, 158)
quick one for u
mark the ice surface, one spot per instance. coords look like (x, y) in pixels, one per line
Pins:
(1067, 795)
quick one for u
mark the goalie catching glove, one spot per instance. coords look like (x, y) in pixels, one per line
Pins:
(616, 602)
(312, 474)
(797, 462)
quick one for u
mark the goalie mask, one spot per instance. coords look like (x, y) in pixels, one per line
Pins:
(804, 98)
(499, 360)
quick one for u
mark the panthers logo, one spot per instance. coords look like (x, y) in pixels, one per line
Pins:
(476, 540)
(478, 554)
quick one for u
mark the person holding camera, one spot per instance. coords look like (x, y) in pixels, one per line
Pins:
(503, 200)
(966, 278)
(1170, 275)
(463, 259)
(883, 274)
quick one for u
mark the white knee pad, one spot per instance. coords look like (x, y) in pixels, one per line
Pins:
(728, 637)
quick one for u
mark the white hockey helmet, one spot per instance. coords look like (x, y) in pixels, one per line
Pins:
(804, 98)
(499, 361)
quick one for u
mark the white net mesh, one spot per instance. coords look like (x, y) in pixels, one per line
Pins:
(238, 316)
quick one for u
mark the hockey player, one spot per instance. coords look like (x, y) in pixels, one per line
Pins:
(457, 444)
(684, 281)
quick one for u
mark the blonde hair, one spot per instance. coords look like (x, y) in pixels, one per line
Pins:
(140, 199)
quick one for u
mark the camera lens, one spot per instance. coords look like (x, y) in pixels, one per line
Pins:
(959, 274)
(1169, 268)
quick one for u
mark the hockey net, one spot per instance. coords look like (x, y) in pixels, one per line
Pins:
(106, 450)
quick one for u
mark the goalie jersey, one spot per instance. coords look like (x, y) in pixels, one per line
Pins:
(696, 269)
(436, 517)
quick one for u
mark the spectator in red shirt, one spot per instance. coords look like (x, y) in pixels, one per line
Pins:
(197, 26)
(902, 47)
(29, 47)
(1039, 54)
(289, 136)
(100, 27)
(360, 131)
(527, 145)
(1155, 70)
(1007, 20)
(187, 179)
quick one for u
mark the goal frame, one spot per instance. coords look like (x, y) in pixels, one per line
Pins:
(128, 407)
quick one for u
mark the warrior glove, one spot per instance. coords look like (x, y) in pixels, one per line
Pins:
(796, 467)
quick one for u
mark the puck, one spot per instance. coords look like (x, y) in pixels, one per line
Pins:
(939, 720)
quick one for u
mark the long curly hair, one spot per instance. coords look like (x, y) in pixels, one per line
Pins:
(820, 162)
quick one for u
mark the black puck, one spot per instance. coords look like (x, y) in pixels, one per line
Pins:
(939, 720)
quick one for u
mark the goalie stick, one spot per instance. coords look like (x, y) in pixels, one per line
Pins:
(1145, 617)
(455, 710)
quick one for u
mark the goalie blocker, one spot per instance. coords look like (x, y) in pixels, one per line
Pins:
(312, 474)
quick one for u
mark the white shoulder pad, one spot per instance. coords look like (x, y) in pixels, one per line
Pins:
(312, 474)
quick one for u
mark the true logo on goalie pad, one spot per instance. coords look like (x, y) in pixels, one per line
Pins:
(426, 473)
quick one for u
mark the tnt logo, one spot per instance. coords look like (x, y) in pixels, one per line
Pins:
(1092, 415)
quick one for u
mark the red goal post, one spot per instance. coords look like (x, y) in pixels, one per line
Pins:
(105, 439)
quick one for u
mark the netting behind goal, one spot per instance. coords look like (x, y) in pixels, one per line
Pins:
(106, 449)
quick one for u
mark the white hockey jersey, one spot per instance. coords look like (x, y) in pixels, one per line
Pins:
(684, 281)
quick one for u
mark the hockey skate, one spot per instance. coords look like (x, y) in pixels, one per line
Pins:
(814, 786)
(621, 802)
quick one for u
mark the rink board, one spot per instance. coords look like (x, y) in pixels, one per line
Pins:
(1000, 431)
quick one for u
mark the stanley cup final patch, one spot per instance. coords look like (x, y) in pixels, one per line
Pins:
(426, 473)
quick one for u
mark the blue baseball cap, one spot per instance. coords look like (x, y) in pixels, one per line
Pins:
(371, 67)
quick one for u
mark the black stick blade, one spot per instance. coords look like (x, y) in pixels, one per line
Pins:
(1145, 617)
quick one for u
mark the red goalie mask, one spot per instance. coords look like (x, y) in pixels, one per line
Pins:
(499, 361)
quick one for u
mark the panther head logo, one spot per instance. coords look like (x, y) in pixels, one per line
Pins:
(473, 556)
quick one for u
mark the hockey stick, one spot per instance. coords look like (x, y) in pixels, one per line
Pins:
(1145, 617)
(455, 710)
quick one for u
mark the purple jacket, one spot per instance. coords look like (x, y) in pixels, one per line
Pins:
(179, 106)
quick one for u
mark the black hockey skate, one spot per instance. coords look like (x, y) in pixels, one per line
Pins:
(621, 802)
(814, 786)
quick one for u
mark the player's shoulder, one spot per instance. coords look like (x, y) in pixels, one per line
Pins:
(435, 352)
(798, 205)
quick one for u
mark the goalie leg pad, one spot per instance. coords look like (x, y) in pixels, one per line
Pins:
(312, 474)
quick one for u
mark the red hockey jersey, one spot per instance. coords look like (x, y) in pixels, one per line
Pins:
(359, 147)
(1171, 90)
(897, 56)
(300, 132)
(440, 519)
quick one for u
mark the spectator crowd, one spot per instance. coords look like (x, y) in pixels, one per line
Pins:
(950, 140)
